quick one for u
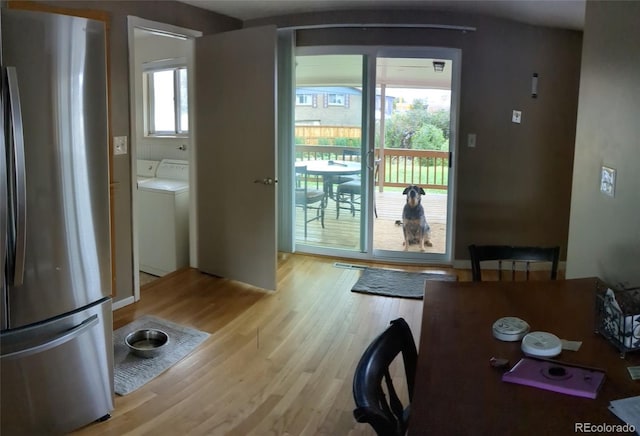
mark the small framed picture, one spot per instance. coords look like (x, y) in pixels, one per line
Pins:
(608, 181)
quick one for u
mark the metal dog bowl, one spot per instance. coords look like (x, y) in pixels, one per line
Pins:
(147, 342)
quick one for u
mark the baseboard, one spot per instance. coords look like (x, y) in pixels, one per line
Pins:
(122, 303)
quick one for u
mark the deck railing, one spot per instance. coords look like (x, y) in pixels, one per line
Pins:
(400, 166)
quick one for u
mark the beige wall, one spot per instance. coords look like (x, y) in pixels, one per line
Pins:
(169, 12)
(515, 186)
(604, 237)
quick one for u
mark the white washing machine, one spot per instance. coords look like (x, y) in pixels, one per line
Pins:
(163, 224)
(146, 170)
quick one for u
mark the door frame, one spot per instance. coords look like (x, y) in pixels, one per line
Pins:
(133, 23)
(370, 55)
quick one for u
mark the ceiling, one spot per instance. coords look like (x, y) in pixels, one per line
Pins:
(566, 14)
(346, 70)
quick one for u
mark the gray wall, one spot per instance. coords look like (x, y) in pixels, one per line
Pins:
(515, 186)
(604, 237)
(169, 12)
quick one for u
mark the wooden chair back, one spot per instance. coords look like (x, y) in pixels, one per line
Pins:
(515, 255)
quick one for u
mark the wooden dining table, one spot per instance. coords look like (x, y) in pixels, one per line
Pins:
(458, 392)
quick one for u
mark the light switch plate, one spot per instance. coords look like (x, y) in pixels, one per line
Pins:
(119, 145)
(471, 140)
(608, 181)
(517, 116)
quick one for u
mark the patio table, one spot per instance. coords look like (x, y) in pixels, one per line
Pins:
(329, 170)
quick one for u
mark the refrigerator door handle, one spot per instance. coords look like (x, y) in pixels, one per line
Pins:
(4, 207)
(21, 192)
(64, 337)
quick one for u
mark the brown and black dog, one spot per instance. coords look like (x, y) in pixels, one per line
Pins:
(414, 223)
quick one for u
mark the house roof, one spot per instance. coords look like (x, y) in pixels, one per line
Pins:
(328, 90)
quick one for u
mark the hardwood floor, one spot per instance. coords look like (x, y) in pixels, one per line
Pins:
(276, 363)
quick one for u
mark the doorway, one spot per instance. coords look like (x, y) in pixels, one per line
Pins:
(160, 69)
(398, 120)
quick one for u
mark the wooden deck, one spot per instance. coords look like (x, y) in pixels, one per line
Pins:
(344, 233)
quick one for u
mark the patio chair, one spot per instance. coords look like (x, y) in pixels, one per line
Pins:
(384, 410)
(515, 255)
(351, 154)
(309, 198)
(348, 194)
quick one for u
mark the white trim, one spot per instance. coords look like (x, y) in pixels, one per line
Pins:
(175, 32)
(380, 25)
(122, 303)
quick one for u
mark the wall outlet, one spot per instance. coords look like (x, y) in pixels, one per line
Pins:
(119, 145)
(471, 140)
(517, 116)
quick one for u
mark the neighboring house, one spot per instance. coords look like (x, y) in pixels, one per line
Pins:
(333, 106)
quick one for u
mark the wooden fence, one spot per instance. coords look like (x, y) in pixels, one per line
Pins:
(313, 134)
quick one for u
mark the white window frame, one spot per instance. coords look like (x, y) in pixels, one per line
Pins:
(338, 99)
(149, 68)
(304, 99)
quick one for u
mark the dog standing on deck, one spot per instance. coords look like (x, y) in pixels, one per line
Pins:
(414, 222)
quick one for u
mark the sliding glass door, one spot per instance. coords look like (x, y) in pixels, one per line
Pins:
(370, 122)
(329, 146)
(414, 146)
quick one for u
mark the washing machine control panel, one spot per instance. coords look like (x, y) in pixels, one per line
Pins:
(173, 169)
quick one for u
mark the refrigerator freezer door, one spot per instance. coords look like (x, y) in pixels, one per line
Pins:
(78, 351)
(61, 75)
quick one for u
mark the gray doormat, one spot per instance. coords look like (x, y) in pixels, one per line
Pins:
(131, 371)
(393, 283)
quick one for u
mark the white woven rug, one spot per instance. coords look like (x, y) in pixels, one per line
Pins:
(131, 372)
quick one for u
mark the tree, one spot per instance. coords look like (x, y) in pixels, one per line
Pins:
(428, 137)
(416, 128)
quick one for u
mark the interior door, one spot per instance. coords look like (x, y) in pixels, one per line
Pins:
(235, 137)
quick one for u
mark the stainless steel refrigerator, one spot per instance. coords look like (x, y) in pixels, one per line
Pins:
(56, 351)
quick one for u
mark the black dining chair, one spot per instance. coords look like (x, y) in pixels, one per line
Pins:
(309, 198)
(515, 255)
(377, 402)
(348, 194)
(351, 154)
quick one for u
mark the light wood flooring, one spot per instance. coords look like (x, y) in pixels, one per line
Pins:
(276, 363)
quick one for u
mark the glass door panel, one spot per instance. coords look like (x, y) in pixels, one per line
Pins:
(412, 148)
(329, 164)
